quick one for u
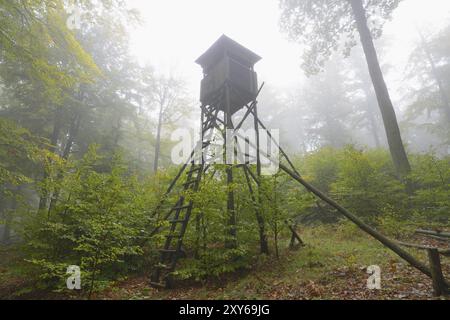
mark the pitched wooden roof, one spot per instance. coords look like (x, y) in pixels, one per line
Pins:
(226, 44)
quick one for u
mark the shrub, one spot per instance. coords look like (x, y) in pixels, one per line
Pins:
(96, 225)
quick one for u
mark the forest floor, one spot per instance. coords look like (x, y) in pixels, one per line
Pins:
(332, 265)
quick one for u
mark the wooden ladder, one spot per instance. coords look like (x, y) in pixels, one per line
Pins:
(178, 218)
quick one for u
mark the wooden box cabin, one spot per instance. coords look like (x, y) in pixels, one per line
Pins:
(228, 61)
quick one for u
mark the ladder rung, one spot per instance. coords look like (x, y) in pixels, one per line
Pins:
(177, 220)
(191, 172)
(181, 207)
(194, 170)
(189, 182)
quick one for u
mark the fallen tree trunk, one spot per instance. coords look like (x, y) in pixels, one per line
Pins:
(378, 236)
(439, 234)
(444, 252)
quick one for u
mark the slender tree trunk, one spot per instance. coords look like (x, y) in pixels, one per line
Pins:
(73, 132)
(43, 201)
(7, 229)
(117, 134)
(2, 212)
(158, 140)
(231, 243)
(275, 218)
(263, 242)
(57, 125)
(8, 215)
(394, 139)
(373, 126)
(137, 125)
(275, 231)
(437, 78)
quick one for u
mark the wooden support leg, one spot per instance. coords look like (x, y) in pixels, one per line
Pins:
(231, 242)
(294, 237)
(439, 286)
(292, 242)
(264, 245)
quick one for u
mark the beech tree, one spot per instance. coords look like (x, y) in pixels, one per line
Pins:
(325, 26)
(169, 97)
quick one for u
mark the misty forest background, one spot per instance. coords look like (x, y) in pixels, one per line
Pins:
(85, 158)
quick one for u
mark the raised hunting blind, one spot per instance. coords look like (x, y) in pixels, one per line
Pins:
(226, 61)
(230, 84)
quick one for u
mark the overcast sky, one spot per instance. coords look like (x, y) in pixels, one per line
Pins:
(175, 32)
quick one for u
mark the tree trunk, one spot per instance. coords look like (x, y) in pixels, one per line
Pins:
(275, 232)
(43, 201)
(73, 132)
(158, 140)
(394, 139)
(7, 229)
(373, 127)
(231, 242)
(275, 217)
(117, 133)
(263, 242)
(8, 215)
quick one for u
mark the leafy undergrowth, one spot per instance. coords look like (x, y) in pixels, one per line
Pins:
(333, 265)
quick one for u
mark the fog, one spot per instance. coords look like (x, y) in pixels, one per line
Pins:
(174, 33)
